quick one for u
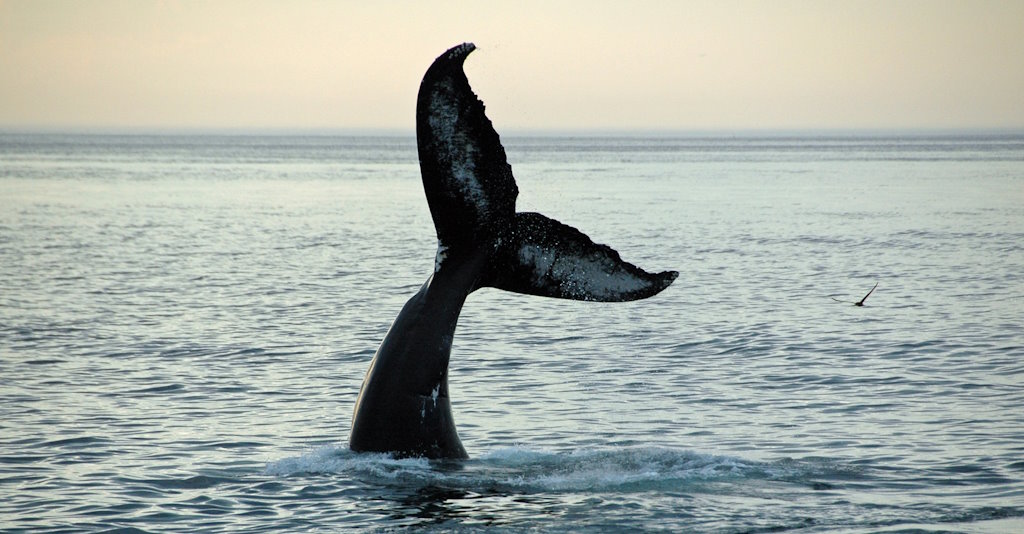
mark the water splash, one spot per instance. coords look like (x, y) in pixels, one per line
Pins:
(519, 469)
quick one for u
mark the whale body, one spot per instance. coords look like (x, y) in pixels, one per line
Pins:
(403, 406)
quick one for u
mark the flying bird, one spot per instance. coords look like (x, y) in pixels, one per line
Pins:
(861, 301)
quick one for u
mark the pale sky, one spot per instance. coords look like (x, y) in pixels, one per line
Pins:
(544, 65)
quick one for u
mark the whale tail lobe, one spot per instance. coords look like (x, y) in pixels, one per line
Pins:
(472, 193)
(551, 259)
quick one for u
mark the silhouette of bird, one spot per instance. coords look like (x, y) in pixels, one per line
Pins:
(861, 301)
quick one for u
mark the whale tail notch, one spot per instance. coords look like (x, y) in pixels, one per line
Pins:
(472, 193)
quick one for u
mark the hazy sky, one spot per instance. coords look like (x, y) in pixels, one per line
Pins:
(551, 64)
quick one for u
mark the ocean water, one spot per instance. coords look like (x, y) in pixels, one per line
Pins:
(185, 322)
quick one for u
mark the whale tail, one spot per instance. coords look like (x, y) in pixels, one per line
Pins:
(472, 193)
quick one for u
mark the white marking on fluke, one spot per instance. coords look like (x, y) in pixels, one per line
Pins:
(453, 145)
(577, 276)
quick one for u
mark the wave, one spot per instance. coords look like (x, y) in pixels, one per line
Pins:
(520, 469)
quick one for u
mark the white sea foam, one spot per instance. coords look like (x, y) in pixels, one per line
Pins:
(339, 459)
(625, 469)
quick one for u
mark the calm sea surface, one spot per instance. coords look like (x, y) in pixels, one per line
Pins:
(185, 322)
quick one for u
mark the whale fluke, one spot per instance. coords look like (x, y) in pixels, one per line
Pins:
(403, 406)
(472, 193)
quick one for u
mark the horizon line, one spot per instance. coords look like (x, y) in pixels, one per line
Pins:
(509, 132)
